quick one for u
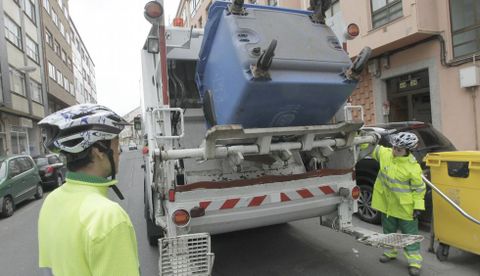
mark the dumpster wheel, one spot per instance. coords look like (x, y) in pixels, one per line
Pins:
(442, 252)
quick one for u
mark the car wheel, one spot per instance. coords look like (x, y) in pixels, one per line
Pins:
(59, 181)
(8, 207)
(39, 193)
(365, 210)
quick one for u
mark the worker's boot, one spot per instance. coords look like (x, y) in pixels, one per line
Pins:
(413, 271)
(385, 259)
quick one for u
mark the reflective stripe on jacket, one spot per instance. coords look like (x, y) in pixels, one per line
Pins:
(82, 232)
(399, 188)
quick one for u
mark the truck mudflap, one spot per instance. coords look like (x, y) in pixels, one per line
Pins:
(186, 255)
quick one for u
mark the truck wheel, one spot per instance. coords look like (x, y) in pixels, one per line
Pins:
(154, 233)
(442, 252)
(365, 210)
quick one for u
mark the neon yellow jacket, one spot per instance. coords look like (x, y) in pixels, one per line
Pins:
(82, 232)
(399, 188)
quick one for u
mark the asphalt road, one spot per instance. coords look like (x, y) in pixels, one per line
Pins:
(297, 248)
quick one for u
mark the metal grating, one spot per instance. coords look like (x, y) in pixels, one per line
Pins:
(186, 255)
(393, 240)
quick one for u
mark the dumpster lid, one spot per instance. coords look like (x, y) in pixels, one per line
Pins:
(453, 156)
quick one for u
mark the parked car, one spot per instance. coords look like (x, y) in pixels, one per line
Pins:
(430, 140)
(19, 180)
(52, 170)
(132, 146)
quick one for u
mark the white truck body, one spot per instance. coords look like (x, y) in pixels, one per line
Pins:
(228, 178)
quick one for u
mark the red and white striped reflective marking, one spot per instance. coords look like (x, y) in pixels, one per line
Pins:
(254, 201)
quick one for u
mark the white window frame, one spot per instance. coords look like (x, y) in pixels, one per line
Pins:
(13, 32)
(59, 78)
(30, 11)
(46, 5)
(52, 71)
(17, 87)
(36, 92)
(54, 17)
(32, 49)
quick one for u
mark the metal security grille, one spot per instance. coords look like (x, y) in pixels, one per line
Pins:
(394, 240)
(186, 255)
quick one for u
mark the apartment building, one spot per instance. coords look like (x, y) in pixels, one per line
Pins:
(58, 54)
(424, 55)
(423, 52)
(129, 134)
(22, 80)
(83, 69)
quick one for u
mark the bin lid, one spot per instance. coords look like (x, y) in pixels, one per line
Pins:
(461, 156)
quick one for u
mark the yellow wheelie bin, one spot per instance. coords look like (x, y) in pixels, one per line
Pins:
(457, 176)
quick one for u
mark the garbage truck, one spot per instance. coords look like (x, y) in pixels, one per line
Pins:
(240, 130)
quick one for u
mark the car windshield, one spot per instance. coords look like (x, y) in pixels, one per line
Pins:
(3, 170)
(42, 161)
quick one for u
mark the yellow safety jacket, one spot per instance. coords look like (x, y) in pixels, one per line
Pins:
(82, 232)
(399, 188)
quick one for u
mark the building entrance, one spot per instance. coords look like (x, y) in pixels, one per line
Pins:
(409, 97)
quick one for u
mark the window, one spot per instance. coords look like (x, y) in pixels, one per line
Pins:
(48, 37)
(465, 18)
(64, 56)
(32, 49)
(30, 10)
(46, 5)
(273, 2)
(36, 91)
(52, 71)
(67, 36)
(69, 62)
(19, 140)
(60, 3)
(17, 81)
(59, 77)
(56, 48)
(12, 32)
(384, 11)
(62, 29)
(66, 84)
(54, 18)
(14, 166)
(25, 163)
(52, 159)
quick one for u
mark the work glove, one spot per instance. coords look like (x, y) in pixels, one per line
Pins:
(416, 214)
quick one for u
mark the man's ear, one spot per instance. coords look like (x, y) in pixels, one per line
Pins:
(97, 154)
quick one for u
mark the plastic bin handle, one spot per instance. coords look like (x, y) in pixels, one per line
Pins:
(474, 165)
(433, 162)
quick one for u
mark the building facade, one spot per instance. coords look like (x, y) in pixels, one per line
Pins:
(129, 134)
(57, 55)
(83, 69)
(22, 80)
(420, 49)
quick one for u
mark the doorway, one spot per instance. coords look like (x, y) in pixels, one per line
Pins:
(409, 97)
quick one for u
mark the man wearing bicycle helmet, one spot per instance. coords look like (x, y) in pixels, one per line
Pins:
(81, 231)
(398, 194)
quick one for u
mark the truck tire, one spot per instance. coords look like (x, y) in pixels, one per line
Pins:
(154, 232)
(365, 210)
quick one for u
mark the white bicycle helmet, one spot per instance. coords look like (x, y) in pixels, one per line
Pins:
(78, 127)
(404, 140)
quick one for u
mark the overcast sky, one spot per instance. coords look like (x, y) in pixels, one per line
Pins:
(114, 32)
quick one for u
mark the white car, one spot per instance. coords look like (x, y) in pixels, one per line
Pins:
(132, 146)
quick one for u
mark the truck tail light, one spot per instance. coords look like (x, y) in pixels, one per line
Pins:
(171, 195)
(181, 217)
(356, 192)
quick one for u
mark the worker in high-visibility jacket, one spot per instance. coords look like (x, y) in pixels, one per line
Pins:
(80, 230)
(399, 193)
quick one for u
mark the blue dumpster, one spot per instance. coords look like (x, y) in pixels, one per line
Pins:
(304, 83)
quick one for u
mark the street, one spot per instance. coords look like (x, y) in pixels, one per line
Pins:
(297, 248)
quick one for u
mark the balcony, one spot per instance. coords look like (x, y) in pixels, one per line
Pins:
(395, 25)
